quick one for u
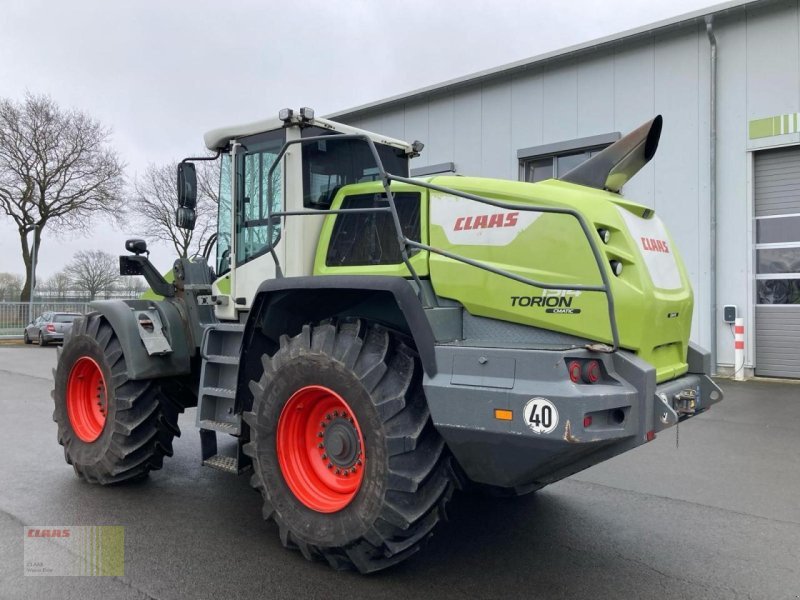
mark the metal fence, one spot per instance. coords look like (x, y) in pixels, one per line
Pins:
(14, 316)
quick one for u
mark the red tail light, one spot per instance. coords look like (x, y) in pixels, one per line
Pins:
(574, 368)
(50, 327)
(587, 421)
(591, 371)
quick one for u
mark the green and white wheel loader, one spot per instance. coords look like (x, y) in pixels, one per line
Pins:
(373, 342)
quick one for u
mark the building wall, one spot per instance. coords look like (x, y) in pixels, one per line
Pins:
(615, 88)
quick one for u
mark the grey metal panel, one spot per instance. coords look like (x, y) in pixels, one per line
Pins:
(526, 111)
(565, 146)
(439, 147)
(778, 340)
(496, 130)
(772, 59)
(416, 122)
(467, 135)
(560, 103)
(777, 181)
(394, 124)
(596, 95)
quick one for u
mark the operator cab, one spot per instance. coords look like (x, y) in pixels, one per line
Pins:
(269, 214)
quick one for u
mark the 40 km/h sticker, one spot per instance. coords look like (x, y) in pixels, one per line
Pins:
(540, 415)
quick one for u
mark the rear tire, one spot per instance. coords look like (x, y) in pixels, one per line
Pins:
(131, 430)
(41, 340)
(405, 479)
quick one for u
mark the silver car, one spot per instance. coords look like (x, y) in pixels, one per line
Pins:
(50, 327)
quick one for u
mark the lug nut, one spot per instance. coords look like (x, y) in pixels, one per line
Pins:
(320, 434)
(324, 457)
(328, 417)
(330, 465)
(338, 472)
(320, 445)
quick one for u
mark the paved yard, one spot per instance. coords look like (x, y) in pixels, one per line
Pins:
(718, 517)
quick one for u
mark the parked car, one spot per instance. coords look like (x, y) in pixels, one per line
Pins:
(49, 327)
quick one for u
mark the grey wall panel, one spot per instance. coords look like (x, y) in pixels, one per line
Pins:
(560, 103)
(496, 130)
(394, 124)
(778, 341)
(526, 112)
(772, 59)
(467, 118)
(634, 103)
(596, 96)
(416, 122)
(675, 173)
(439, 147)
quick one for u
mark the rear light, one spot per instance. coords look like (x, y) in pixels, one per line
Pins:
(591, 371)
(587, 421)
(50, 327)
(574, 368)
(650, 436)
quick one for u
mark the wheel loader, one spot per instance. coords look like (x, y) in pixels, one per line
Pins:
(363, 343)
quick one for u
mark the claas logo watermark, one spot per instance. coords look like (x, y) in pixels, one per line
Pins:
(88, 550)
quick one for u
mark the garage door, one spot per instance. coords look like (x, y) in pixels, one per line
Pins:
(777, 205)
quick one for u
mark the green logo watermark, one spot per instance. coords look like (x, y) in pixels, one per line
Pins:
(91, 550)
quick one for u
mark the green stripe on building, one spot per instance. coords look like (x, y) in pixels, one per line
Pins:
(772, 126)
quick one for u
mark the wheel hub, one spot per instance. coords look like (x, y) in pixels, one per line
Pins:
(320, 449)
(87, 399)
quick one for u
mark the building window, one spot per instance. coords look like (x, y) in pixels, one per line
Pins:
(555, 160)
(778, 259)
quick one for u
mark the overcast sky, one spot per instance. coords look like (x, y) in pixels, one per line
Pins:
(162, 73)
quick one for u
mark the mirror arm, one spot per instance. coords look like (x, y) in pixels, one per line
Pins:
(141, 265)
(194, 158)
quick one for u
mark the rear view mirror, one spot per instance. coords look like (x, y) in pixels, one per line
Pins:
(185, 217)
(187, 187)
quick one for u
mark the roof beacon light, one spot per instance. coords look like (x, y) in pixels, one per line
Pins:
(307, 114)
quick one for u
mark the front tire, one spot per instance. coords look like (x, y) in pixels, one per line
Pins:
(112, 429)
(338, 399)
(25, 338)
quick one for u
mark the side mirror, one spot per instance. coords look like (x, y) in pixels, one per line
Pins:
(136, 246)
(187, 187)
(185, 217)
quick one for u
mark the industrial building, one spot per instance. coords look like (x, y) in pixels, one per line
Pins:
(726, 178)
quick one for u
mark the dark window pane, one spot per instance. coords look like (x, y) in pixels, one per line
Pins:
(329, 164)
(569, 161)
(778, 230)
(65, 318)
(778, 260)
(371, 238)
(778, 291)
(538, 170)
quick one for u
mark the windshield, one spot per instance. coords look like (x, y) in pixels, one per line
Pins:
(330, 164)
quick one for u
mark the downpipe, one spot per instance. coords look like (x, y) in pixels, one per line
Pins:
(712, 190)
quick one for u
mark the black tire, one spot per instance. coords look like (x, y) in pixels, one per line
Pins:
(42, 343)
(25, 337)
(407, 479)
(141, 420)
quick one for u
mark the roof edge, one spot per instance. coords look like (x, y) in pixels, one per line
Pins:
(473, 78)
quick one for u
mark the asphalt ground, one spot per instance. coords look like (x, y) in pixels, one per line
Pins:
(717, 517)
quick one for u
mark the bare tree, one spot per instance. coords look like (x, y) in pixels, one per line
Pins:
(56, 168)
(10, 286)
(155, 198)
(58, 285)
(93, 271)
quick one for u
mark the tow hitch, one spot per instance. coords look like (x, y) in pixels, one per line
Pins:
(685, 402)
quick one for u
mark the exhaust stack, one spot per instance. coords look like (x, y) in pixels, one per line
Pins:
(614, 166)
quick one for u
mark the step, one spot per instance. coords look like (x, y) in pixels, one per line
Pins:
(222, 359)
(228, 464)
(218, 392)
(221, 426)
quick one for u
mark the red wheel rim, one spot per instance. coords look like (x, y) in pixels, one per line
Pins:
(320, 449)
(87, 399)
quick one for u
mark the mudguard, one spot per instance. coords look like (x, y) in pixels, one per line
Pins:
(283, 306)
(166, 360)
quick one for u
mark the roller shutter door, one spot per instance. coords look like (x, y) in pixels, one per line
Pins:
(777, 207)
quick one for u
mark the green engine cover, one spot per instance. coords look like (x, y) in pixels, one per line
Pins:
(652, 294)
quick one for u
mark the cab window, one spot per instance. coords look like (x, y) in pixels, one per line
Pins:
(256, 199)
